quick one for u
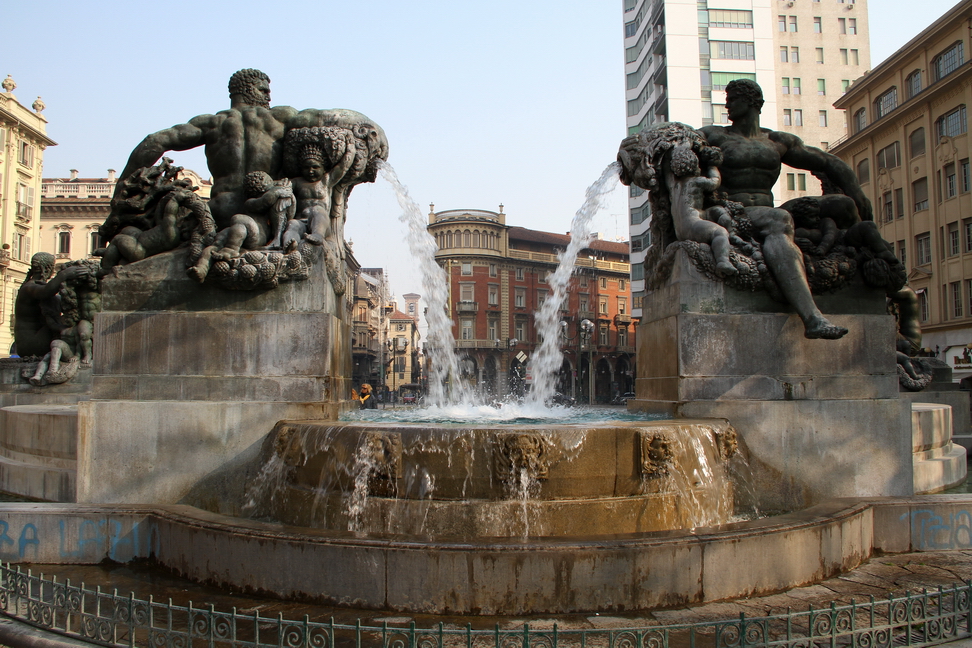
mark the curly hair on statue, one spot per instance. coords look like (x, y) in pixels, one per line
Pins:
(748, 90)
(242, 82)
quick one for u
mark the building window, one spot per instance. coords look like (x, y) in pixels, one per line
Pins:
(967, 226)
(467, 329)
(950, 185)
(953, 239)
(622, 336)
(923, 249)
(520, 331)
(602, 282)
(793, 23)
(25, 154)
(794, 55)
(622, 284)
(852, 26)
(965, 181)
(493, 295)
(623, 305)
(602, 306)
(955, 288)
(887, 207)
(820, 55)
(913, 83)
(466, 239)
(466, 269)
(784, 55)
(491, 330)
(541, 297)
(952, 123)
(864, 171)
(796, 86)
(822, 121)
(842, 25)
(732, 50)
(902, 253)
(948, 61)
(899, 203)
(519, 274)
(95, 241)
(520, 298)
(919, 190)
(860, 120)
(817, 25)
(786, 85)
(787, 117)
(923, 306)
(886, 103)
(821, 87)
(889, 157)
(25, 203)
(781, 23)
(492, 269)
(64, 243)
(797, 117)
(582, 304)
(916, 141)
(740, 19)
(844, 85)
(855, 58)
(602, 335)
(467, 292)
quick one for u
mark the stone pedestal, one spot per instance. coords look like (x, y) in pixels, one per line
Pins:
(820, 418)
(187, 379)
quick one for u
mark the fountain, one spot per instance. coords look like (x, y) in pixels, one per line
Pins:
(541, 514)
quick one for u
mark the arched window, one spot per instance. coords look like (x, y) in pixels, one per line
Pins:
(864, 171)
(448, 239)
(860, 120)
(916, 142)
(475, 239)
(466, 239)
(952, 123)
(95, 241)
(948, 61)
(885, 103)
(913, 83)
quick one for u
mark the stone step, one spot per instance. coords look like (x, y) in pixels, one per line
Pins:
(931, 426)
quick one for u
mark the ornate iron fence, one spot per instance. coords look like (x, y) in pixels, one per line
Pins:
(108, 619)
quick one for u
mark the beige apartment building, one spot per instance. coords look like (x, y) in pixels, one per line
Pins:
(23, 138)
(680, 54)
(908, 142)
(73, 208)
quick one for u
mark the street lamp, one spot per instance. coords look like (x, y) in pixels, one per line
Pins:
(586, 333)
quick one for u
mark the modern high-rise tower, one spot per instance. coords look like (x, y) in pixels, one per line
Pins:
(680, 54)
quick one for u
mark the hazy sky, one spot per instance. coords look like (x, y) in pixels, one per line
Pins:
(514, 102)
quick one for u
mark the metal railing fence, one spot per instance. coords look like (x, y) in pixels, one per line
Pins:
(108, 619)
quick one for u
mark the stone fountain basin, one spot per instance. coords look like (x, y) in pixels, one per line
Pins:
(441, 481)
(510, 577)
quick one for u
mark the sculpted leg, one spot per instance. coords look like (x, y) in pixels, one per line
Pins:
(785, 261)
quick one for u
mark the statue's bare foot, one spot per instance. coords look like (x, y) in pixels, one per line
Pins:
(314, 239)
(821, 329)
(226, 254)
(726, 269)
(37, 381)
(196, 274)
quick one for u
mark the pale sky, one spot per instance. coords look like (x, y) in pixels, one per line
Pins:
(484, 102)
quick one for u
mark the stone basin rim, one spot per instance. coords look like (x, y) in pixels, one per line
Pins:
(821, 514)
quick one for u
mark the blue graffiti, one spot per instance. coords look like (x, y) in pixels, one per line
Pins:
(929, 530)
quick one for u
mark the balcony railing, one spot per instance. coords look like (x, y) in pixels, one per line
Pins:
(24, 212)
(467, 307)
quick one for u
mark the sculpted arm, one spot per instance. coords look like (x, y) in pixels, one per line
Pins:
(177, 138)
(800, 156)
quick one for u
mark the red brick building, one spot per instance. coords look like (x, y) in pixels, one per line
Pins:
(497, 280)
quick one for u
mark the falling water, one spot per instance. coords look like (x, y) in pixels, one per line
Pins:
(549, 357)
(444, 387)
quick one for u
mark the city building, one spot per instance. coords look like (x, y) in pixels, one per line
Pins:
(23, 139)
(908, 142)
(680, 54)
(404, 377)
(369, 328)
(72, 209)
(498, 279)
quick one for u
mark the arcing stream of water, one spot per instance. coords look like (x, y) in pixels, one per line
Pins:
(444, 385)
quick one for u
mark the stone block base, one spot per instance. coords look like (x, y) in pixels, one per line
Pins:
(803, 452)
(939, 463)
(38, 451)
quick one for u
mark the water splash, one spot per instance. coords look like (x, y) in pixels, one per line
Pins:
(444, 383)
(548, 358)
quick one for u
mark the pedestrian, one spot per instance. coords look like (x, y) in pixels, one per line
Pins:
(367, 400)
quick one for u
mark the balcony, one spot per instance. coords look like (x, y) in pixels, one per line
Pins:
(24, 212)
(622, 318)
(467, 307)
(585, 314)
